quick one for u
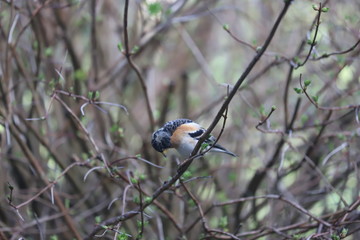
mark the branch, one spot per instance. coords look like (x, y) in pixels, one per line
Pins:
(242, 78)
(135, 68)
(304, 88)
(278, 197)
(313, 43)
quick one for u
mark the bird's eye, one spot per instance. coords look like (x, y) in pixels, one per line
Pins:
(197, 133)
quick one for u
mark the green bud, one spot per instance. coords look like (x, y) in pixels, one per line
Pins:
(136, 200)
(187, 175)
(324, 9)
(148, 200)
(307, 82)
(298, 90)
(315, 98)
(142, 177)
(120, 47)
(135, 49)
(134, 180)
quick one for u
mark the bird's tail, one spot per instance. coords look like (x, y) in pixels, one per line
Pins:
(221, 149)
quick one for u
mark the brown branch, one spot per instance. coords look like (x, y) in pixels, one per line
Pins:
(51, 184)
(139, 236)
(260, 123)
(203, 219)
(40, 172)
(94, 51)
(242, 78)
(326, 55)
(127, 54)
(278, 197)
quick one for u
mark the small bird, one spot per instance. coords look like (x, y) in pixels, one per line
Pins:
(183, 134)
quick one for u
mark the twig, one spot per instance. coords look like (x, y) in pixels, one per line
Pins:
(278, 197)
(242, 78)
(313, 43)
(135, 68)
(50, 185)
(139, 236)
(184, 166)
(303, 88)
(326, 55)
(202, 216)
(260, 123)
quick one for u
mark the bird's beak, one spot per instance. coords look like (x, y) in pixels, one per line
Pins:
(163, 153)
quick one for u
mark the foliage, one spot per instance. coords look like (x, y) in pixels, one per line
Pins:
(83, 84)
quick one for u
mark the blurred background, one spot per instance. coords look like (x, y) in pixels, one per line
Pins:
(76, 119)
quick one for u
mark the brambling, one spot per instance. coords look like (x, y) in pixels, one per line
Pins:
(183, 135)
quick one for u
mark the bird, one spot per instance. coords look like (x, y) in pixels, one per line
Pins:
(183, 135)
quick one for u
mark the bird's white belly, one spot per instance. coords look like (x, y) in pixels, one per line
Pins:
(185, 149)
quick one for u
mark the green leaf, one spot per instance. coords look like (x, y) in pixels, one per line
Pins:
(35, 45)
(135, 49)
(204, 146)
(315, 98)
(273, 108)
(49, 52)
(304, 118)
(307, 82)
(54, 237)
(134, 181)
(298, 90)
(154, 8)
(147, 200)
(139, 223)
(296, 60)
(187, 174)
(136, 200)
(80, 75)
(90, 93)
(223, 222)
(226, 27)
(344, 232)
(324, 9)
(120, 47)
(335, 237)
(98, 219)
(262, 110)
(97, 95)
(142, 177)
(122, 236)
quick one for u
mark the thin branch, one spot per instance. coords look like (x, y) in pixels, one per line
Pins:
(326, 55)
(127, 54)
(278, 197)
(242, 78)
(304, 89)
(313, 43)
(266, 119)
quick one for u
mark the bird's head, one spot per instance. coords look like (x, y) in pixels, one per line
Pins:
(162, 138)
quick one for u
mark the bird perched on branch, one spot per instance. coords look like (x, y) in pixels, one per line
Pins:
(183, 135)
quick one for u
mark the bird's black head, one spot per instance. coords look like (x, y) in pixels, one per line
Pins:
(161, 138)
